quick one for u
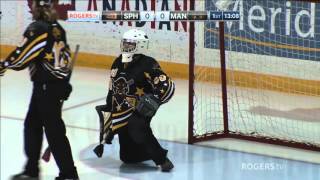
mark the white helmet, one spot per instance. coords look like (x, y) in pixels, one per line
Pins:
(133, 41)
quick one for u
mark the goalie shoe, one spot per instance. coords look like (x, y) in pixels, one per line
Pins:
(166, 166)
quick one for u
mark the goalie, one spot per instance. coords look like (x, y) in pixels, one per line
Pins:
(137, 88)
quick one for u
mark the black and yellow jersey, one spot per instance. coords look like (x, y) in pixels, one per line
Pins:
(130, 81)
(44, 50)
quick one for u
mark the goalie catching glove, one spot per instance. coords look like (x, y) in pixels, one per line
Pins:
(148, 105)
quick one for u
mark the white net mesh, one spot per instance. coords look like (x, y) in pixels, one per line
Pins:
(273, 72)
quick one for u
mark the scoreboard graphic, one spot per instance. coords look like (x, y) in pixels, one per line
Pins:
(160, 16)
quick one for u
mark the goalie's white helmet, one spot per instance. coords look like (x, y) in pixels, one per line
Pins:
(133, 42)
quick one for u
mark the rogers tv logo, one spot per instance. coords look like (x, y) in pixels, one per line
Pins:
(84, 16)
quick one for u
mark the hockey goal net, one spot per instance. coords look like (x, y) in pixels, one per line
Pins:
(257, 78)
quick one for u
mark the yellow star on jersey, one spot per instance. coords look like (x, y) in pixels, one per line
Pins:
(118, 107)
(162, 91)
(48, 56)
(139, 92)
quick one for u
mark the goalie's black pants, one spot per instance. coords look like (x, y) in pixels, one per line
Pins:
(45, 114)
(137, 142)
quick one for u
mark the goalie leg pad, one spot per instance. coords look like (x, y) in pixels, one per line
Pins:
(138, 128)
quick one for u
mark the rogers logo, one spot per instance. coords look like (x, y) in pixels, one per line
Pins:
(81, 15)
(84, 16)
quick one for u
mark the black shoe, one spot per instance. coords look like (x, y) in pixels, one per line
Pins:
(166, 166)
(66, 178)
(25, 176)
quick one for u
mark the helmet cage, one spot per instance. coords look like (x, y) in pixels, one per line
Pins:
(133, 46)
(128, 46)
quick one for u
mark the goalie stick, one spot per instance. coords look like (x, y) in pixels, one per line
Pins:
(106, 135)
(47, 152)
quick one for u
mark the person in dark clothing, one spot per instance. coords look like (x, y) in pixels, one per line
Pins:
(44, 50)
(138, 86)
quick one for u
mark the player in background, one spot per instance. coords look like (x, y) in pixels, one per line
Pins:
(137, 88)
(44, 50)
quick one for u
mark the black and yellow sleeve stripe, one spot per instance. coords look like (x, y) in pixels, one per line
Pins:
(22, 56)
